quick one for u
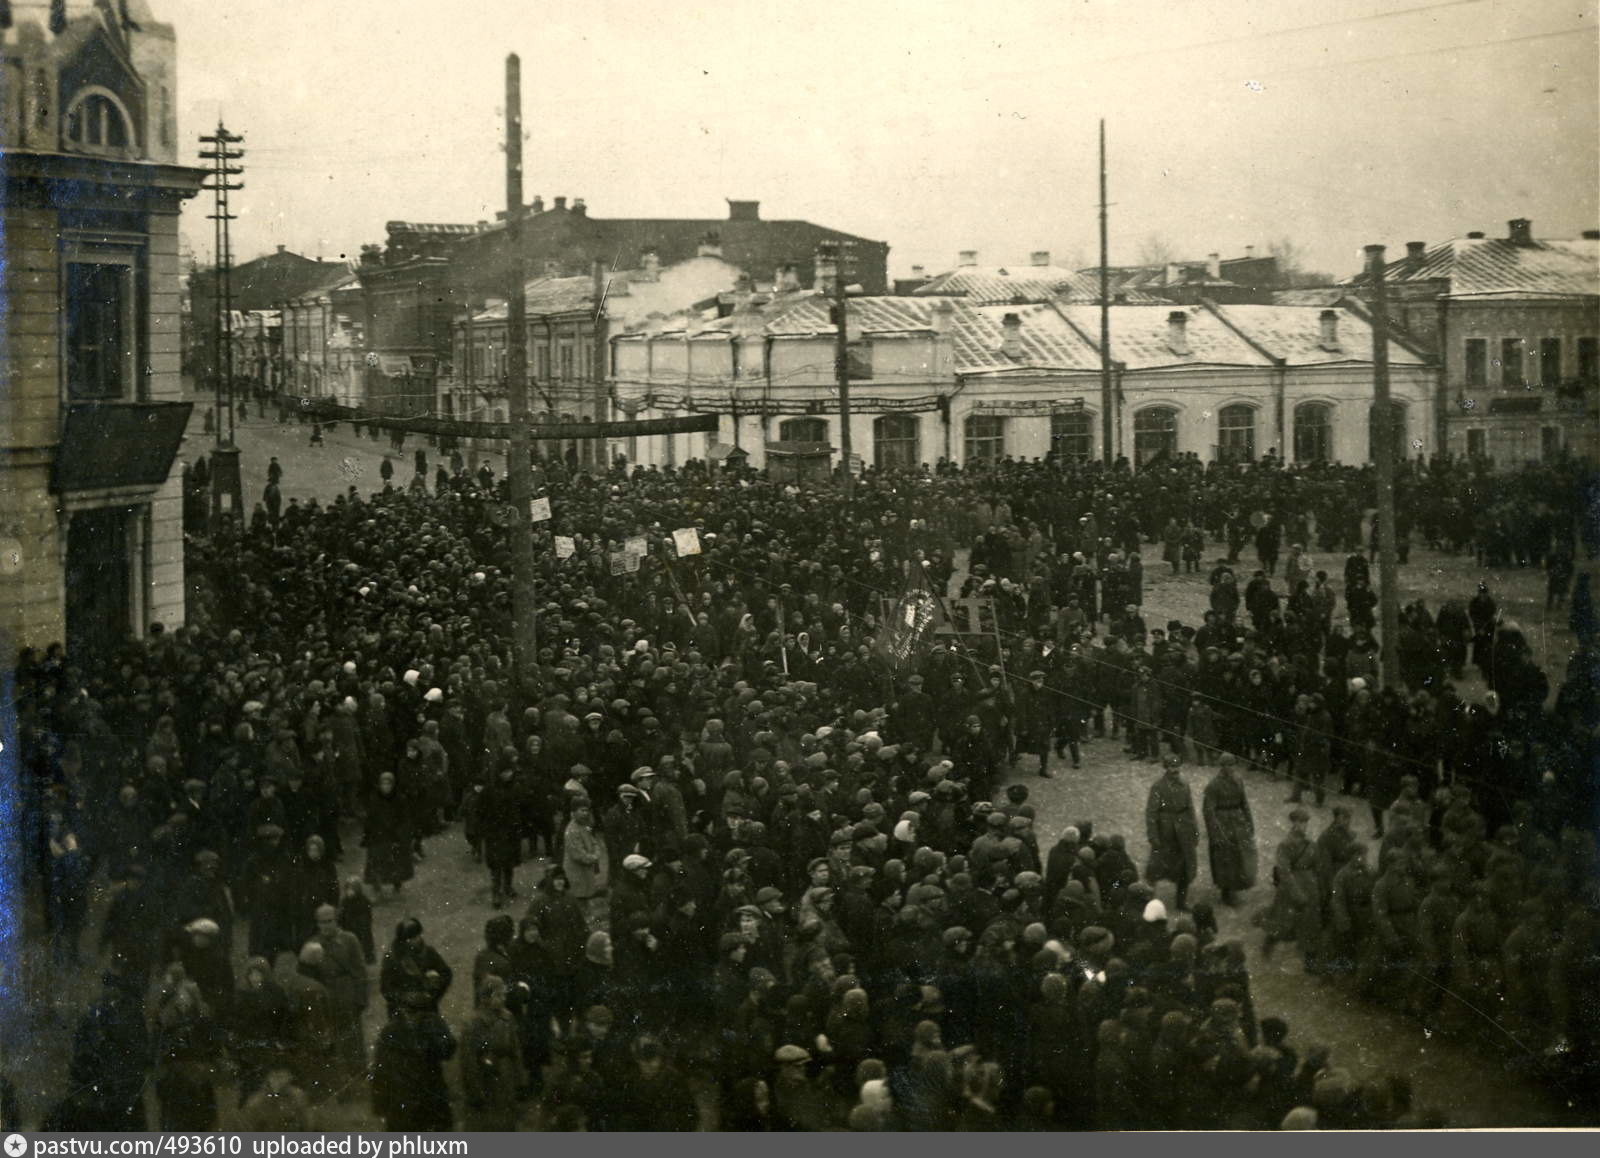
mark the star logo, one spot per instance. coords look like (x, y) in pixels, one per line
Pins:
(16, 1145)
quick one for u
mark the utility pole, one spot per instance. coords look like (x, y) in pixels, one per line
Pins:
(519, 462)
(1108, 455)
(220, 154)
(841, 363)
(1383, 458)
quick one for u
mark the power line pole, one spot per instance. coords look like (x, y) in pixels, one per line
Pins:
(1107, 452)
(841, 363)
(519, 462)
(1383, 436)
(220, 155)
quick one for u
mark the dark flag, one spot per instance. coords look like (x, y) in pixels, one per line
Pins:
(908, 635)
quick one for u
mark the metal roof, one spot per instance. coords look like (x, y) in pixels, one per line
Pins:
(1140, 337)
(1491, 265)
(997, 285)
(1294, 333)
(1048, 341)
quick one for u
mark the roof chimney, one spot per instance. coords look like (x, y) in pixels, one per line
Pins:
(943, 311)
(1174, 274)
(280, 249)
(1011, 337)
(1039, 257)
(1591, 234)
(1214, 266)
(1416, 253)
(824, 269)
(1330, 329)
(649, 266)
(744, 210)
(1178, 333)
(1521, 231)
(579, 208)
(537, 205)
(1475, 235)
(788, 279)
(1249, 251)
(561, 203)
(968, 257)
(919, 272)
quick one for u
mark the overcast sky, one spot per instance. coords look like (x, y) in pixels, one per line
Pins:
(934, 125)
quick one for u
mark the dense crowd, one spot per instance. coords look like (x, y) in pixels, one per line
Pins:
(782, 885)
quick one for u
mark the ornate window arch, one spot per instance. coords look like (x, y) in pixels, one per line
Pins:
(98, 122)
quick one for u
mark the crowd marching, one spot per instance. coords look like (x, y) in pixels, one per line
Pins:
(780, 883)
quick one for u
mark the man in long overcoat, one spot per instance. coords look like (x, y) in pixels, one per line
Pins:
(1230, 831)
(1173, 831)
(1296, 912)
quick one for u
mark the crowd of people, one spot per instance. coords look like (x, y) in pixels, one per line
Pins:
(778, 883)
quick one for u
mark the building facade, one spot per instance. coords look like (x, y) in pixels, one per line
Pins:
(1515, 325)
(939, 378)
(93, 419)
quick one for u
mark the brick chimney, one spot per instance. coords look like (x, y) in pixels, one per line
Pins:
(967, 257)
(1249, 252)
(1214, 266)
(1330, 329)
(560, 203)
(1416, 253)
(1521, 231)
(1039, 257)
(1011, 337)
(744, 210)
(1178, 332)
(1591, 234)
(1174, 274)
(536, 205)
(943, 312)
(919, 272)
(1475, 235)
(579, 209)
(824, 267)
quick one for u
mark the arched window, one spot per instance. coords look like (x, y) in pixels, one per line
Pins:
(985, 438)
(1398, 432)
(97, 123)
(895, 442)
(1155, 434)
(1313, 432)
(1236, 433)
(1072, 435)
(803, 430)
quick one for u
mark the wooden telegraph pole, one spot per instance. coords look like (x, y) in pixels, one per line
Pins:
(519, 463)
(841, 363)
(1108, 454)
(1383, 437)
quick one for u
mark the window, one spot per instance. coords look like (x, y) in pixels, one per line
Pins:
(1072, 435)
(985, 438)
(99, 330)
(1511, 373)
(1549, 361)
(1550, 442)
(1236, 433)
(1477, 443)
(803, 430)
(895, 442)
(858, 361)
(566, 362)
(1313, 432)
(543, 358)
(97, 123)
(1397, 411)
(1477, 361)
(1155, 434)
(1588, 360)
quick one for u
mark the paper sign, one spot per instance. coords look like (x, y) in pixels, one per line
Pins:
(687, 540)
(539, 510)
(565, 547)
(630, 562)
(619, 562)
(638, 546)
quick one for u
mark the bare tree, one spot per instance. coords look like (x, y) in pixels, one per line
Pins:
(1155, 249)
(1292, 270)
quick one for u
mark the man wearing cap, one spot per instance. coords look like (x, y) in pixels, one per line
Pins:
(1230, 831)
(914, 715)
(1172, 830)
(1035, 717)
(630, 892)
(1296, 913)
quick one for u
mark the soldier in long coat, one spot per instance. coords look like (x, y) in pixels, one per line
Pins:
(1173, 831)
(1296, 913)
(1230, 831)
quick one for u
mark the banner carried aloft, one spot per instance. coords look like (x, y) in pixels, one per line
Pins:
(566, 547)
(687, 540)
(539, 510)
(908, 635)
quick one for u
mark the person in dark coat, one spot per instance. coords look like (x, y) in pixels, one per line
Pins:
(388, 836)
(493, 1075)
(187, 1039)
(267, 895)
(1230, 831)
(1173, 832)
(500, 807)
(258, 1026)
(408, 1087)
(413, 966)
(316, 883)
(110, 1058)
